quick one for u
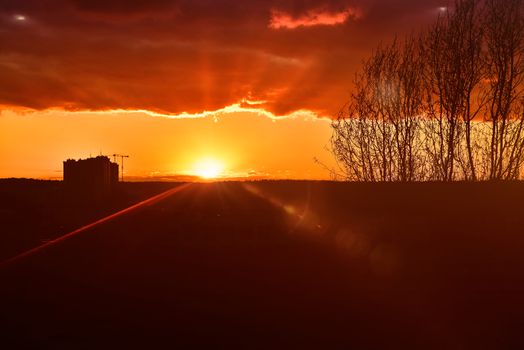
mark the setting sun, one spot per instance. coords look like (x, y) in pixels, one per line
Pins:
(209, 168)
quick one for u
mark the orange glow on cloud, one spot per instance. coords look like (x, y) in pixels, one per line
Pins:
(244, 106)
(241, 107)
(280, 19)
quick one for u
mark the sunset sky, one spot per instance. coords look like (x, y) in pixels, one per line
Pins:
(246, 86)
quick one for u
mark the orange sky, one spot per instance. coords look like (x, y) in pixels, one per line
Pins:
(269, 72)
(34, 145)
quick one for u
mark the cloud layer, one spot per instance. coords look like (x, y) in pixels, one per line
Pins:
(176, 56)
(315, 17)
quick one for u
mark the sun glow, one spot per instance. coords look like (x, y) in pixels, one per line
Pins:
(209, 168)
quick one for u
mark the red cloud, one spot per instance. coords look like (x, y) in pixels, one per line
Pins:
(175, 56)
(316, 17)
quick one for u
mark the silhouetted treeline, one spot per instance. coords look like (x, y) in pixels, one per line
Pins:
(444, 104)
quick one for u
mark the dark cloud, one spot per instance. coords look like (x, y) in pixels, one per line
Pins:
(191, 55)
(123, 6)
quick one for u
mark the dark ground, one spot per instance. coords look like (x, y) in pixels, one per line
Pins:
(268, 265)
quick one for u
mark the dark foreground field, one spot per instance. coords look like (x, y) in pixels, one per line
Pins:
(267, 265)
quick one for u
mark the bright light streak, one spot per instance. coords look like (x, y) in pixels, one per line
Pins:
(147, 202)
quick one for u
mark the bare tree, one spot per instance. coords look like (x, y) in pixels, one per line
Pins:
(376, 137)
(453, 48)
(504, 23)
(402, 96)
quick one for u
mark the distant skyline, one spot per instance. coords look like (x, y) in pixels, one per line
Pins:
(246, 85)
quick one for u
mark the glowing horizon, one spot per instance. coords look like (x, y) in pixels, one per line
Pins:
(165, 147)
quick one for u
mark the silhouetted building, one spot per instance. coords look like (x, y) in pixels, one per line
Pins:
(98, 174)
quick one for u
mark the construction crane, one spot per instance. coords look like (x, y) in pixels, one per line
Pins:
(122, 156)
